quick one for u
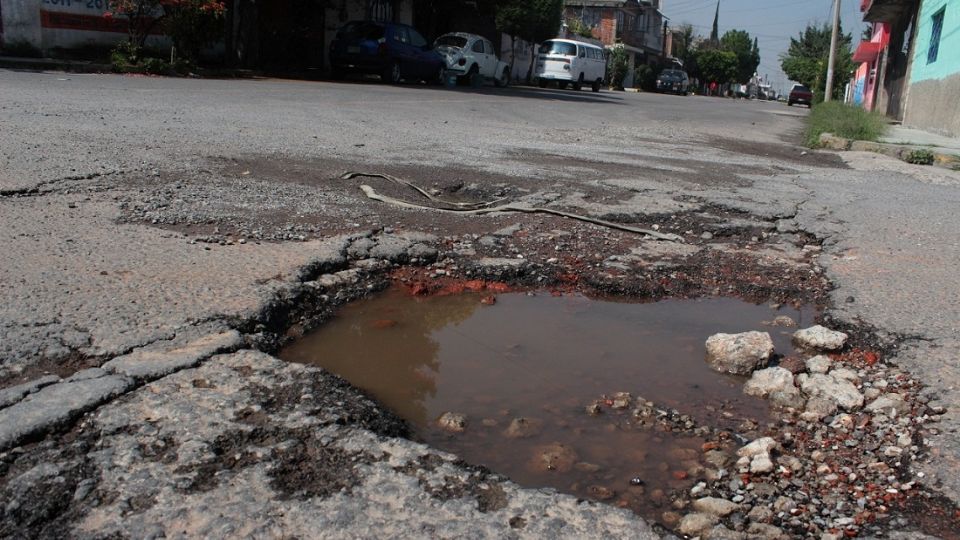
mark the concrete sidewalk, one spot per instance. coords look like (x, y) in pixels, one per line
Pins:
(916, 137)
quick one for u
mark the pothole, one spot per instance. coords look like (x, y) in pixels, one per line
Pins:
(610, 401)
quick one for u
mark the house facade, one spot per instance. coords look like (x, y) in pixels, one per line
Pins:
(910, 67)
(933, 94)
(636, 25)
(282, 34)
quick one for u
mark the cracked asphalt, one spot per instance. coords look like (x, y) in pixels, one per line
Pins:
(141, 215)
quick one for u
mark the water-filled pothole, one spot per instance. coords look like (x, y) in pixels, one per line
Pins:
(544, 359)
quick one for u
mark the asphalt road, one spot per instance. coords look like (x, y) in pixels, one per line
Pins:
(99, 172)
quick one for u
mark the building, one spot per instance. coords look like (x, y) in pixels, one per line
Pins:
(276, 34)
(637, 25)
(910, 67)
(933, 94)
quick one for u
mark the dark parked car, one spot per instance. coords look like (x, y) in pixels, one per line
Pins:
(800, 94)
(674, 81)
(393, 51)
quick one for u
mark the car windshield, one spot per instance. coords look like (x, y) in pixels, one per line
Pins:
(671, 74)
(362, 30)
(451, 41)
(800, 88)
(558, 47)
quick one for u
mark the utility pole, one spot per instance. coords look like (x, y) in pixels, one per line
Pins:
(828, 93)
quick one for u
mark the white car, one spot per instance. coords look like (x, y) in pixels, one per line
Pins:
(472, 58)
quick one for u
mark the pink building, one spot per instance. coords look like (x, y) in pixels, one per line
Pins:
(869, 54)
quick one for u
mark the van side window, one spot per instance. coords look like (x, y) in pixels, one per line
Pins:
(583, 52)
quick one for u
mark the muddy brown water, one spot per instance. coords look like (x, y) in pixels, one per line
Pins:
(545, 358)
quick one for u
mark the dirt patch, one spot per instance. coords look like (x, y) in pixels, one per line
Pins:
(61, 366)
(479, 483)
(309, 469)
(695, 172)
(30, 474)
(790, 153)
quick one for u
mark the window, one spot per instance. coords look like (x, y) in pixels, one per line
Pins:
(934, 49)
(558, 47)
(477, 47)
(400, 34)
(416, 39)
(451, 41)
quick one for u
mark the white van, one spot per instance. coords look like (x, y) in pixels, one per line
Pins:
(571, 62)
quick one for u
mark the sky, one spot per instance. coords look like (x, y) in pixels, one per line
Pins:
(772, 22)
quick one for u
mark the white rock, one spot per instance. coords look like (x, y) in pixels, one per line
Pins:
(887, 402)
(454, 422)
(739, 354)
(696, 523)
(715, 506)
(819, 364)
(761, 464)
(761, 446)
(776, 384)
(827, 387)
(819, 337)
(845, 374)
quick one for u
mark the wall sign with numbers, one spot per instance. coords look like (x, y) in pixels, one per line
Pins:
(87, 15)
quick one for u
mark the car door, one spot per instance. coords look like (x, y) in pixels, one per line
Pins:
(489, 60)
(477, 52)
(425, 62)
(401, 44)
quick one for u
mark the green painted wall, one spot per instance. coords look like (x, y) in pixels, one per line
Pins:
(948, 61)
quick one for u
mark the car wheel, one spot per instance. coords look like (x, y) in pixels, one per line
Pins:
(563, 85)
(596, 85)
(542, 83)
(474, 78)
(439, 78)
(504, 80)
(579, 84)
(392, 73)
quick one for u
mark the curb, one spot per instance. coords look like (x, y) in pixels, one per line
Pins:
(829, 141)
(52, 64)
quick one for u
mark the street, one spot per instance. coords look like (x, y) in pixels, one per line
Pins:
(165, 237)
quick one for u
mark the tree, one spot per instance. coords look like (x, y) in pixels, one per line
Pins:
(683, 38)
(717, 65)
(531, 20)
(746, 50)
(191, 24)
(806, 60)
(578, 27)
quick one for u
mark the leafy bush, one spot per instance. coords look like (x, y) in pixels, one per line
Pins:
(920, 156)
(126, 57)
(619, 65)
(645, 77)
(844, 121)
(578, 27)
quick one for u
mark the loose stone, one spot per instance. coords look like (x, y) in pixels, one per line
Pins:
(739, 354)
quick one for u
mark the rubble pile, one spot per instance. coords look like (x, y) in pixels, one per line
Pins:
(834, 464)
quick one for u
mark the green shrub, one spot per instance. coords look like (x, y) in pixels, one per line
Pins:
(920, 156)
(645, 77)
(844, 121)
(619, 65)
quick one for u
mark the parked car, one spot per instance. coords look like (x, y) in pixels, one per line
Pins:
(393, 51)
(800, 94)
(472, 59)
(674, 81)
(571, 62)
